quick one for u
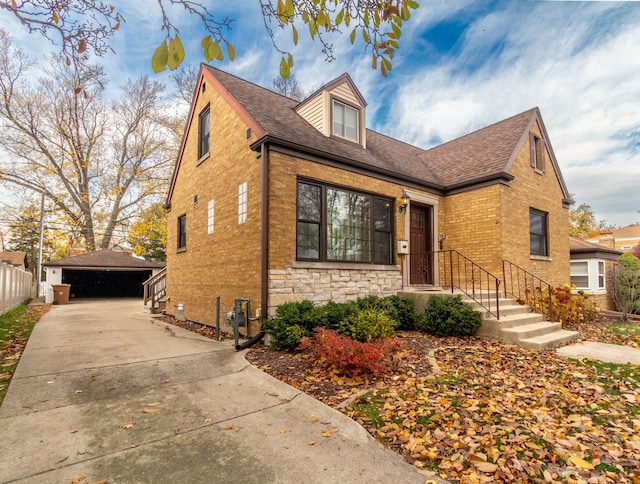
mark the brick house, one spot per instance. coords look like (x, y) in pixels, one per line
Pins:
(624, 238)
(279, 200)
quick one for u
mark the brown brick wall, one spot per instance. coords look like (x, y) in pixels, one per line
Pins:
(227, 262)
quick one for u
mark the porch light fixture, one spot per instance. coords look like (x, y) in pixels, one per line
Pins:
(404, 202)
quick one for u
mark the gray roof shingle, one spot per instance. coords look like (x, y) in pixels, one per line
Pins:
(475, 157)
(104, 259)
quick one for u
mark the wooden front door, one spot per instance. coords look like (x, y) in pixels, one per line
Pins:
(420, 245)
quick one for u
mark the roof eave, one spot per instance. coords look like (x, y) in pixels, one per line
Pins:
(275, 141)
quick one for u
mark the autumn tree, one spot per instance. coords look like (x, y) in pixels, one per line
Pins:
(288, 87)
(97, 162)
(83, 27)
(582, 222)
(148, 235)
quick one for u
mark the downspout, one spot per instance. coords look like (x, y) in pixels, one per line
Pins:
(264, 247)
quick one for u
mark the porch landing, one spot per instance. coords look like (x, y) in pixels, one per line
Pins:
(516, 325)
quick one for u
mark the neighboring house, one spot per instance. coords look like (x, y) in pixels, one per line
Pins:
(16, 259)
(624, 238)
(592, 270)
(279, 200)
(100, 274)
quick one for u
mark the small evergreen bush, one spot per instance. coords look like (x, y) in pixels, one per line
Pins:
(368, 325)
(450, 316)
(403, 310)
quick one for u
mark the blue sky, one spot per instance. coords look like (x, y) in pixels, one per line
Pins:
(461, 65)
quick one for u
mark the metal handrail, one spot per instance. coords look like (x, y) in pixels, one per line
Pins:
(468, 277)
(527, 288)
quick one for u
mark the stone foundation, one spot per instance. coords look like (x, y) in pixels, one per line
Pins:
(322, 282)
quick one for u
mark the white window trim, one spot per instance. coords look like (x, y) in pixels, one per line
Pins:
(593, 276)
(346, 106)
(242, 203)
(210, 217)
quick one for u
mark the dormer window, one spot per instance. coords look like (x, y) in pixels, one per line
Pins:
(345, 121)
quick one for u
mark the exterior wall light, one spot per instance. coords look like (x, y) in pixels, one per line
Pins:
(404, 202)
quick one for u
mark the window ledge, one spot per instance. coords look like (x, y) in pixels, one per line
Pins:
(344, 266)
(203, 158)
(182, 249)
(541, 257)
(539, 171)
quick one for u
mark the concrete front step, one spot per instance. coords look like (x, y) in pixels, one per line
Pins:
(549, 340)
(517, 333)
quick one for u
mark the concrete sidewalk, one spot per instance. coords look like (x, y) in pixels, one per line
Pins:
(605, 352)
(106, 392)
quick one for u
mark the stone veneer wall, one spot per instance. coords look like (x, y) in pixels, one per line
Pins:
(330, 283)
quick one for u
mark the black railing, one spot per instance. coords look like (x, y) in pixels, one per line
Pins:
(457, 271)
(527, 288)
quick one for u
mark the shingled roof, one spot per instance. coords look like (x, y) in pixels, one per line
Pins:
(483, 156)
(579, 246)
(105, 259)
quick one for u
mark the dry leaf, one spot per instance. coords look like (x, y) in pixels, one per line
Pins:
(78, 391)
(228, 427)
(329, 432)
(312, 442)
(486, 467)
(77, 479)
(151, 410)
(154, 404)
(103, 481)
(127, 426)
(283, 431)
(208, 420)
(580, 463)
(72, 431)
(312, 419)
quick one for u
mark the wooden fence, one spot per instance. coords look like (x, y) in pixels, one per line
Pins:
(15, 287)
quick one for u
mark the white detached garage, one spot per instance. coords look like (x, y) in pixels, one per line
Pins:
(100, 274)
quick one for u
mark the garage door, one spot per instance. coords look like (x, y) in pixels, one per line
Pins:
(104, 284)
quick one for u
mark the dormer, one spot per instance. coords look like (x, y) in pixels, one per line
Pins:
(337, 110)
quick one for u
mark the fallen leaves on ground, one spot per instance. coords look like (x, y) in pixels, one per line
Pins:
(485, 411)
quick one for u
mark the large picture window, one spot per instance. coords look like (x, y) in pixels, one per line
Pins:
(337, 224)
(538, 232)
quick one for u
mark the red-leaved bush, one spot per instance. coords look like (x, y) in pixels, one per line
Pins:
(349, 356)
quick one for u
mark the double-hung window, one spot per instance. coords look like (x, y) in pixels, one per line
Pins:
(538, 240)
(339, 224)
(345, 121)
(588, 275)
(204, 132)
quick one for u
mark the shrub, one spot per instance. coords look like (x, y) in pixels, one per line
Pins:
(568, 307)
(404, 311)
(332, 314)
(285, 337)
(349, 356)
(626, 291)
(368, 325)
(301, 313)
(450, 316)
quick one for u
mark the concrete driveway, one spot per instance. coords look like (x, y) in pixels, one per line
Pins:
(105, 391)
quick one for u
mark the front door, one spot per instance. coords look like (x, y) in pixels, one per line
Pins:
(420, 245)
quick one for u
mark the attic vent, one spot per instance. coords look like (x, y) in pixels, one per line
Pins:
(204, 87)
(248, 133)
(195, 199)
